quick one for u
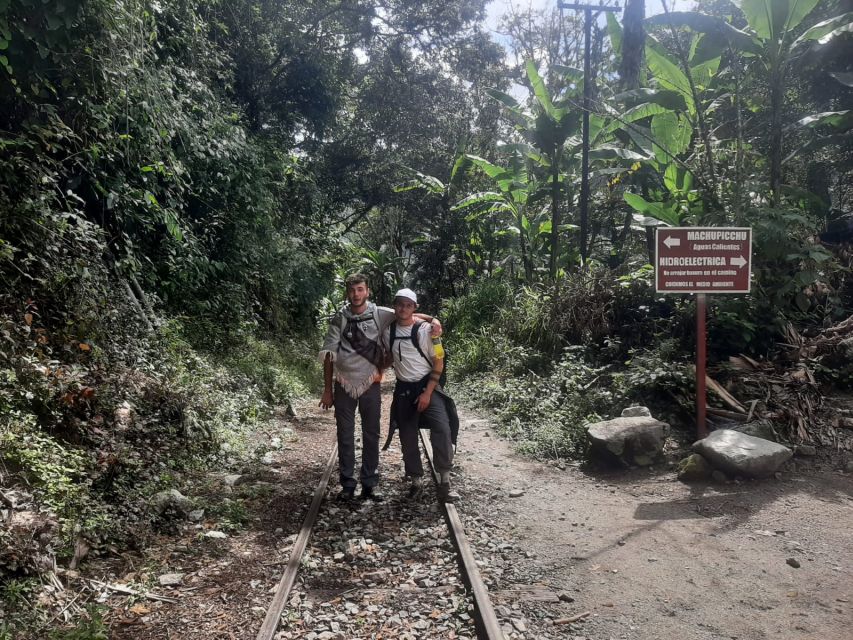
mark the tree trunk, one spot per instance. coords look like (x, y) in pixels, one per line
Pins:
(633, 44)
(555, 211)
(777, 90)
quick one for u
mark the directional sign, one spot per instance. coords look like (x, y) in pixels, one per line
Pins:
(703, 259)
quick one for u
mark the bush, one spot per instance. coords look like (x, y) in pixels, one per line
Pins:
(545, 414)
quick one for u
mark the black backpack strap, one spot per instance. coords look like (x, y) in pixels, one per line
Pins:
(416, 329)
(414, 337)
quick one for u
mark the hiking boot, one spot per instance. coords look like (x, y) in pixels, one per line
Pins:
(416, 490)
(368, 493)
(445, 494)
(346, 494)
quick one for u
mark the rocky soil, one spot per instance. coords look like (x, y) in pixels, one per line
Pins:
(566, 551)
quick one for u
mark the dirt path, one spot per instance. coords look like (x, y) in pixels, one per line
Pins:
(651, 557)
(646, 556)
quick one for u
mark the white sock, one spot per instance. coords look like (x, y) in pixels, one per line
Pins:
(444, 477)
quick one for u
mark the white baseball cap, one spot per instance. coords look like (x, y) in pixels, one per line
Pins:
(408, 294)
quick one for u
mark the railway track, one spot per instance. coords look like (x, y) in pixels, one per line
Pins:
(389, 569)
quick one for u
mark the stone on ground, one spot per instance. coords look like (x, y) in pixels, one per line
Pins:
(738, 454)
(634, 441)
(636, 412)
(172, 501)
(694, 467)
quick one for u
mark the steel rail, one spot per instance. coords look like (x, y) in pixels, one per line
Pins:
(270, 625)
(487, 624)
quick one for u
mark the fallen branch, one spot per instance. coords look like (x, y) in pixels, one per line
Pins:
(118, 588)
(574, 618)
(728, 398)
(728, 415)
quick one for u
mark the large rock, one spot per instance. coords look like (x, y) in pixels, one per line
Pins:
(170, 503)
(633, 440)
(738, 454)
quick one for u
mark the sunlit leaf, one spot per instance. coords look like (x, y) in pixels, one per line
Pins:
(825, 28)
(771, 19)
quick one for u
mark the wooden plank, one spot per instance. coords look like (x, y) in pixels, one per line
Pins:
(270, 624)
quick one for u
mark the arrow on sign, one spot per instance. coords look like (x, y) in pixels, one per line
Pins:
(738, 262)
(671, 242)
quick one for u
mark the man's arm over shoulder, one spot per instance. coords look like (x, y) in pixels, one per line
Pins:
(386, 317)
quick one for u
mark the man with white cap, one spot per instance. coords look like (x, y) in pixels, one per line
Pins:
(418, 398)
(354, 359)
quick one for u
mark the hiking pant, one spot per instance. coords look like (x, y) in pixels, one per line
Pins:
(369, 407)
(436, 420)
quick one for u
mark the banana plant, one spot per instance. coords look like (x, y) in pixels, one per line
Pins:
(444, 226)
(548, 130)
(662, 121)
(770, 39)
(514, 188)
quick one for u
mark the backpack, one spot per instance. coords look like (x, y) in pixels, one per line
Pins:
(374, 352)
(417, 344)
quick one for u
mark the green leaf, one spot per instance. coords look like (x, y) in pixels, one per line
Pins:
(610, 152)
(569, 73)
(540, 91)
(491, 170)
(172, 225)
(477, 198)
(772, 19)
(504, 98)
(838, 120)
(460, 165)
(672, 133)
(636, 201)
(632, 115)
(665, 98)
(411, 185)
(527, 151)
(656, 210)
(847, 28)
(824, 28)
(667, 73)
(845, 78)
(711, 25)
(614, 30)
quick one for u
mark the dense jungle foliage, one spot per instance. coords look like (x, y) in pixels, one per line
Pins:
(183, 186)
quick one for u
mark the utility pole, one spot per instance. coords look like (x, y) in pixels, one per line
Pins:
(587, 94)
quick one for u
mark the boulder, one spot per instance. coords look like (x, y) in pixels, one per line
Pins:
(694, 467)
(634, 441)
(738, 454)
(171, 502)
(636, 412)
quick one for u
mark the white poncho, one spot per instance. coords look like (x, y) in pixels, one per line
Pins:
(354, 372)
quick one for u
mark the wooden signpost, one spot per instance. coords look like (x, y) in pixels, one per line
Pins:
(702, 260)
